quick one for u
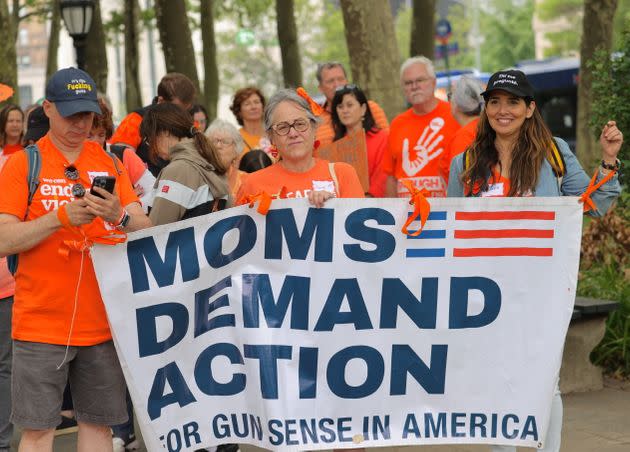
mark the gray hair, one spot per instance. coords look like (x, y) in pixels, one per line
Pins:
(428, 65)
(328, 65)
(219, 125)
(467, 96)
(287, 95)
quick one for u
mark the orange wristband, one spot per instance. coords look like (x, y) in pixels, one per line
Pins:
(62, 215)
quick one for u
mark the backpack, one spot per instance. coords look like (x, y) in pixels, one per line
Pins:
(554, 157)
(34, 166)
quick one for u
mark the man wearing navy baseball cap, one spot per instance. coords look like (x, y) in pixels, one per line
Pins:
(72, 91)
(60, 329)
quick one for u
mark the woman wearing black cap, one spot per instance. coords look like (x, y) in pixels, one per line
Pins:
(514, 154)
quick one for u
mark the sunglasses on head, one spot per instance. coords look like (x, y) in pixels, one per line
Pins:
(349, 87)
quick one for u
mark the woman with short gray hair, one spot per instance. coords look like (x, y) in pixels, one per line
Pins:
(466, 106)
(290, 121)
(229, 144)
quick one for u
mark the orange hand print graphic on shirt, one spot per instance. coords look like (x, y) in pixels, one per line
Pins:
(425, 149)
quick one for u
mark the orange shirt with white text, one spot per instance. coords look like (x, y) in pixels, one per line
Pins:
(46, 280)
(297, 185)
(416, 145)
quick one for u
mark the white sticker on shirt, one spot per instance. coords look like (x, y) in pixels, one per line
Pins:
(93, 174)
(493, 190)
(324, 185)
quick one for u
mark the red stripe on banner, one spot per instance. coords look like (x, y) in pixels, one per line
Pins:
(505, 234)
(479, 252)
(506, 215)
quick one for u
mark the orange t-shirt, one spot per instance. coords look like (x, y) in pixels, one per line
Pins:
(326, 132)
(7, 283)
(416, 145)
(134, 165)
(46, 281)
(298, 185)
(9, 149)
(376, 143)
(461, 140)
(128, 131)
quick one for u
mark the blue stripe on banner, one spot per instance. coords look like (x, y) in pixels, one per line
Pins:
(429, 234)
(426, 252)
(438, 215)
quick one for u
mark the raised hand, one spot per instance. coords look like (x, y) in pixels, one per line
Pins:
(611, 140)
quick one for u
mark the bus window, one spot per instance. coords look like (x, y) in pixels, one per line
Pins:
(559, 112)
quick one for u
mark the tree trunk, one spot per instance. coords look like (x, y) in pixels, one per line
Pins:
(211, 70)
(53, 41)
(597, 28)
(133, 96)
(287, 37)
(95, 52)
(8, 55)
(373, 51)
(179, 54)
(423, 28)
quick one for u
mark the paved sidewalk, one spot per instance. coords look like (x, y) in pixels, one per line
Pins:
(593, 422)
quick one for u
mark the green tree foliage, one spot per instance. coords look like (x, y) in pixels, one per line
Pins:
(508, 33)
(567, 40)
(608, 277)
(328, 42)
(610, 94)
(621, 23)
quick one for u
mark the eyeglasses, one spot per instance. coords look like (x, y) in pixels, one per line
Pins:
(283, 128)
(72, 173)
(418, 81)
(222, 141)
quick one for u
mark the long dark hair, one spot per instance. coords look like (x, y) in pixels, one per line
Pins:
(171, 119)
(533, 145)
(4, 118)
(368, 120)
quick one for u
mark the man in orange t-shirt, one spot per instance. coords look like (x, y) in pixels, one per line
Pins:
(331, 76)
(418, 136)
(7, 289)
(60, 327)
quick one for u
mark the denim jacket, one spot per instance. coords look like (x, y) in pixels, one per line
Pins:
(573, 183)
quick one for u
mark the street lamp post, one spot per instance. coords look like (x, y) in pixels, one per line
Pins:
(77, 15)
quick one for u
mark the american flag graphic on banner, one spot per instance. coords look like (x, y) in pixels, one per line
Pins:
(485, 234)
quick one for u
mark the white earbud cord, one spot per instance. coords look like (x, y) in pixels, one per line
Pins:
(74, 309)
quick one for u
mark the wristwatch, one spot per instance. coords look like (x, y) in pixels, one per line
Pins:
(124, 220)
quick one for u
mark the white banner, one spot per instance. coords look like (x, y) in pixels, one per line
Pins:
(310, 329)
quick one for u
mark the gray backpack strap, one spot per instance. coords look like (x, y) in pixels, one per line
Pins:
(34, 166)
(34, 161)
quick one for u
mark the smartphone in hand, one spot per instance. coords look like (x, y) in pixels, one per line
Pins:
(104, 182)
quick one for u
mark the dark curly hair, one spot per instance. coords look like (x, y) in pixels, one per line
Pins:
(241, 96)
